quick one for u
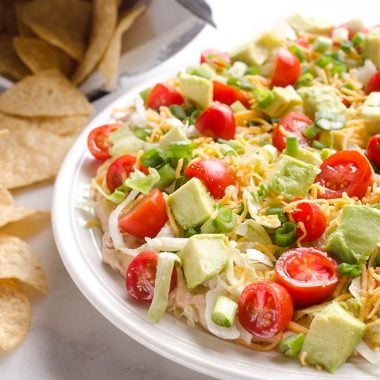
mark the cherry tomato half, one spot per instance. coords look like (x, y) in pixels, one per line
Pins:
(214, 173)
(287, 69)
(98, 142)
(216, 58)
(119, 171)
(373, 149)
(346, 171)
(291, 125)
(141, 276)
(228, 94)
(309, 275)
(313, 219)
(147, 217)
(374, 83)
(265, 309)
(217, 121)
(163, 95)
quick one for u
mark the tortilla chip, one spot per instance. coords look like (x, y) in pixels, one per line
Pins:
(108, 66)
(30, 155)
(23, 30)
(3, 132)
(9, 212)
(11, 65)
(68, 125)
(64, 24)
(19, 262)
(15, 315)
(38, 55)
(48, 93)
(103, 25)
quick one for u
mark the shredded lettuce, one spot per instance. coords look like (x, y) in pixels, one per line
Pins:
(253, 231)
(142, 183)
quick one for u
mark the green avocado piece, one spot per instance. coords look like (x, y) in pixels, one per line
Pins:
(356, 236)
(251, 53)
(302, 24)
(307, 155)
(175, 134)
(333, 335)
(292, 178)
(196, 89)
(203, 257)
(371, 112)
(191, 204)
(371, 48)
(323, 105)
(285, 99)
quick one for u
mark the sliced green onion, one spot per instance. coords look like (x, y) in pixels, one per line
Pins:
(286, 234)
(318, 145)
(347, 46)
(241, 83)
(190, 110)
(145, 93)
(322, 44)
(325, 153)
(224, 311)
(180, 181)
(297, 51)
(292, 345)
(351, 270)
(277, 211)
(153, 158)
(252, 70)
(227, 150)
(337, 67)
(194, 116)
(234, 144)
(225, 220)
(305, 80)
(178, 112)
(264, 97)
(358, 39)
(292, 145)
(311, 131)
(350, 86)
(191, 231)
(167, 176)
(142, 133)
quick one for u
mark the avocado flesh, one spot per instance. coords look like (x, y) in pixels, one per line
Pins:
(203, 257)
(333, 335)
(191, 204)
(196, 89)
(302, 24)
(292, 178)
(371, 48)
(356, 235)
(371, 113)
(286, 98)
(175, 134)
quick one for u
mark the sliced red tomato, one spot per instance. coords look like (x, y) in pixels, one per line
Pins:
(265, 308)
(214, 173)
(308, 274)
(373, 149)
(346, 171)
(147, 217)
(313, 219)
(216, 58)
(141, 276)
(287, 69)
(98, 142)
(119, 171)
(228, 94)
(302, 42)
(374, 83)
(217, 121)
(291, 125)
(163, 95)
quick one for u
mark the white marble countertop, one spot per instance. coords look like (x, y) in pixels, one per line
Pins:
(69, 339)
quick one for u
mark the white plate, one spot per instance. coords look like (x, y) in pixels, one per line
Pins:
(80, 249)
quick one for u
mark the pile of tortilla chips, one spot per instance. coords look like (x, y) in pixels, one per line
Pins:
(75, 37)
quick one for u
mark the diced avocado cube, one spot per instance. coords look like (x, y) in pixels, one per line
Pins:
(356, 235)
(251, 53)
(175, 134)
(204, 70)
(191, 204)
(292, 178)
(333, 335)
(307, 155)
(196, 89)
(371, 48)
(302, 24)
(203, 257)
(371, 112)
(286, 98)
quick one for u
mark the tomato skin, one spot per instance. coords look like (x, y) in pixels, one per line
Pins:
(163, 95)
(265, 308)
(119, 171)
(227, 94)
(313, 219)
(147, 217)
(141, 276)
(214, 173)
(309, 275)
(98, 143)
(217, 121)
(374, 83)
(287, 69)
(373, 149)
(215, 58)
(345, 171)
(293, 123)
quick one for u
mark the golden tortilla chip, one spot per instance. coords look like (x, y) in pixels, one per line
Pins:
(23, 30)
(3, 132)
(103, 24)
(9, 212)
(11, 65)
(68, 125)
(15, 315)
(48, 93)
(30, 155)
(64, 24)
(19, 262)
(109, 64)
(38, 55)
